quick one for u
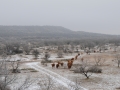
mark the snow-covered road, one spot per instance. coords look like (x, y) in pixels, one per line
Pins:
(58, 78)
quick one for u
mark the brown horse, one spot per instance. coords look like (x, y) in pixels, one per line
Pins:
(53, 65)
(61, 63)
(57, 65)
(76, 57)
(70, 63)
(58, 62)
(72, 58)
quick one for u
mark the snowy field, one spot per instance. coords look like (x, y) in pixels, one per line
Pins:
(66, 79)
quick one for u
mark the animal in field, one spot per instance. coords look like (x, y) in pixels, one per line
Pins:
(70, 63)
(58, 62)
(61, 63)
(76, 57)
(53, 65)
(72, 58)
(57, 65)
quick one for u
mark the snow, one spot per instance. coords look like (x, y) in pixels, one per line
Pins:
(19, 82)
(55, 58)
(61, 80)
(19, 57)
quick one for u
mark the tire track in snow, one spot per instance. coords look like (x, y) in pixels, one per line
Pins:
(58, 78)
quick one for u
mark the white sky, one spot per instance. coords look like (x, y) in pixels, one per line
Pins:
(101, 16)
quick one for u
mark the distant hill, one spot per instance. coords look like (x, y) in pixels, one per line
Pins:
(48, 32)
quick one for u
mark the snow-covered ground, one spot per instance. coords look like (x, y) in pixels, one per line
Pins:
(61, 80)
(107, 80)
(65, 57)
(18, 57)
(54, 57)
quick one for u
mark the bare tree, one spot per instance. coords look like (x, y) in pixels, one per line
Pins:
(84, 70)
(35, 53)
(60, 54)
(47, 83)
(2, 47)
(60, 47)
(9, 49)
(15, 66)
(6, 81)
(72, 48)
(13, 48)
(17, 48)
(117, 59)
(26, 83)
(27, 49)
(76, 85)
(46, 56)
(5, 77)
(99, 60)
(115, 48)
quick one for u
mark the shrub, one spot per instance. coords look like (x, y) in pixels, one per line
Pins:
(48, 61)
(95, 69)
(77, 71)
(60, 54)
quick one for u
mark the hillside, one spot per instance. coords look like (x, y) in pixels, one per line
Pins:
(47, 32)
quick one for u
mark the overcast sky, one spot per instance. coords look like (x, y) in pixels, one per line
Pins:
(101, 16)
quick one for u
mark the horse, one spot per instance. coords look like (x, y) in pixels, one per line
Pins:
(69, 65)
(53, 65)
(76, 57)
(72, 58)
(57, 65)
(61, 63)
